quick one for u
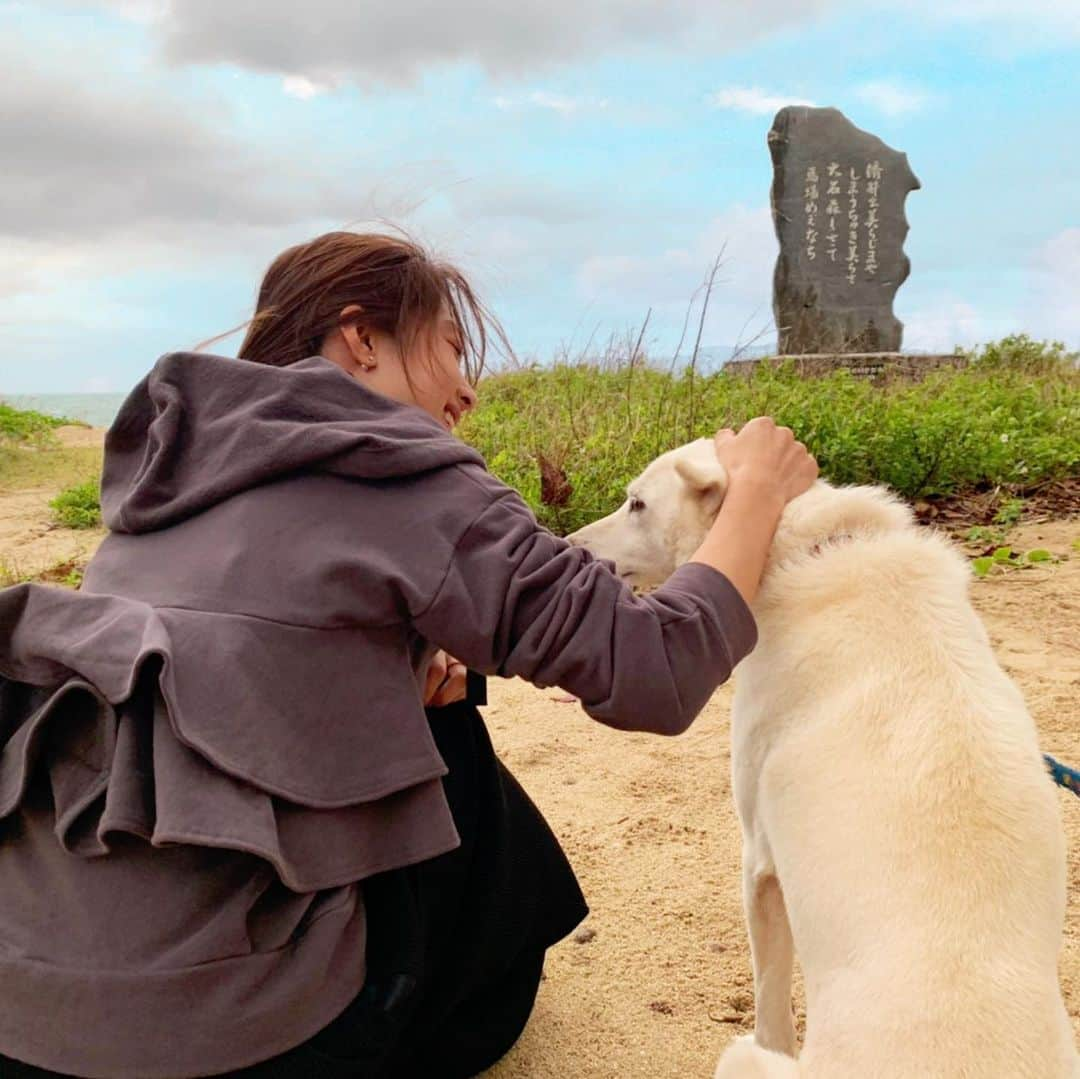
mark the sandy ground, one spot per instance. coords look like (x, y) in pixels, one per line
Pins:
(30, 541)
(658, 979)
(649, 825)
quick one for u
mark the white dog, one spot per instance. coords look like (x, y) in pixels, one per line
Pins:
(900, 830)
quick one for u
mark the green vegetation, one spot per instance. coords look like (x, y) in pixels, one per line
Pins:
(31, 456)
(78, 506)
(54, 467)
(1005, 558)
(68, 573)
(1006, 423)
(1009, 514)
(21, 427)
(1010, 419)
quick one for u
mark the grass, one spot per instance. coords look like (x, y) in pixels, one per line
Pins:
(1010, 419)
(30, 455)
(68, 572)
(19, 427)
(30, 458)
(1009, 422)
(55, 466)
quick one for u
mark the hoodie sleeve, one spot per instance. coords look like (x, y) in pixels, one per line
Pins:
(518, 600)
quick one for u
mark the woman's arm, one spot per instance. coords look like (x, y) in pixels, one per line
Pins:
(765, 469)
(517, 600)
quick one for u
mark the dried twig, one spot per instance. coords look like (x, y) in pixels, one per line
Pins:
(701, 327)
(671, 372)
(630, 379)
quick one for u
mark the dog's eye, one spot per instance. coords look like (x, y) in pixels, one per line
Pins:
(636, 505)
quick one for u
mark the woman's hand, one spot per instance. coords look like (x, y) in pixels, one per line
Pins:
(765, 456)
(766, 469)
(445, 682)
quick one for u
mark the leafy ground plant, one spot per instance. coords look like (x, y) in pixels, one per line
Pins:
(1011, 511)
(78, 506)
(993, 535)
(1004, 559)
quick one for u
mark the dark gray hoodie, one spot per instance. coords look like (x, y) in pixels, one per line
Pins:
(211, 744)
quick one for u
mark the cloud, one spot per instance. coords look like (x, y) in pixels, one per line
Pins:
(746, 235)
(116, 194)
(397, 43)
(892, 98)
(25, 267)
(751, 99)
(951, 322)
(87, 161)
(1012, 25)
(544, 99)
(304, 88)
(665, 280)
(560, 103)
(526, 198)
(1059, 14)
(138, 11)
(1053, 307)
(1047, 308)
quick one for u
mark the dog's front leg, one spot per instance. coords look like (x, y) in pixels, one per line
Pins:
(773, 953)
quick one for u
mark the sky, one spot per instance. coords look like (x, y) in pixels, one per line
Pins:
(584, 161)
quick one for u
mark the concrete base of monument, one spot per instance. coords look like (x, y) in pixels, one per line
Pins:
(878, 367)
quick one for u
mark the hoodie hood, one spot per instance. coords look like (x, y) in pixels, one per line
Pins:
(201, 428)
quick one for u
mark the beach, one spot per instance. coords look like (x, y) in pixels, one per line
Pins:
(657, 980)
(650, 826)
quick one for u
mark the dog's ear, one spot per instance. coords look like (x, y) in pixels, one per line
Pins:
(708, 483)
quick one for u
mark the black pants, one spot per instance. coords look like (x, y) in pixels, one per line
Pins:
(455, 944)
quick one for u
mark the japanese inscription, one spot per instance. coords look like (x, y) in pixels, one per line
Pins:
(838, 206)
(821, 204)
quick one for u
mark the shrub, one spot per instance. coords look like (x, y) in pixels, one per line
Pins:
(20, 427)
(1010, 418)
(78, 506)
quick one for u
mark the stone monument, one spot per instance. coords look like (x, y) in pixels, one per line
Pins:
(838, 207)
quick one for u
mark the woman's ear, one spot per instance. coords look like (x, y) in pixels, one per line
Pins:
(356, 336)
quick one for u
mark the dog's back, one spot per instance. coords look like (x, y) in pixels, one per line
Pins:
(889, 770)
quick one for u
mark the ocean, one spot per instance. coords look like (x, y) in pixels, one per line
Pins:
(100, 409)
(96, 409)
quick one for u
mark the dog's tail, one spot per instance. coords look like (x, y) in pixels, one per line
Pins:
(745, 1059)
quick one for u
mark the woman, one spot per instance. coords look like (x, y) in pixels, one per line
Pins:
(233, 840)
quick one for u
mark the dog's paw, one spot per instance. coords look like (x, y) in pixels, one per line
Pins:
(745, 1059)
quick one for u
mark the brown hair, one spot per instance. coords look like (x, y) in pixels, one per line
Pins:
(400, 288)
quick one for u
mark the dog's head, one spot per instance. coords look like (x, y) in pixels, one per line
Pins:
(667, 513)
(671, 506)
